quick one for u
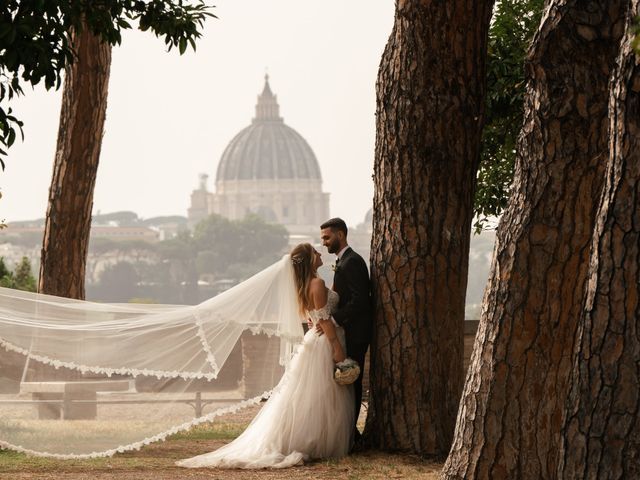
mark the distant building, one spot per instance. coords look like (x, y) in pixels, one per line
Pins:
(125, 233)
(360, 236)
(268, 169)
(100, 231)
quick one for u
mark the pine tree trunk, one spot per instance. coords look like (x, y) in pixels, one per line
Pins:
(68, 222)
(430, 102)
(511, 410)
(601, 432)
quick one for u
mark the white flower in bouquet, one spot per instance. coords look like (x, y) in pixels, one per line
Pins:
(346, 372)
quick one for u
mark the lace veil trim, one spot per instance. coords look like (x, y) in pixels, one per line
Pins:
(157, 342)
(147, 441)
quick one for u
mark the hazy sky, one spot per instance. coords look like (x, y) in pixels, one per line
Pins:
(170, 117)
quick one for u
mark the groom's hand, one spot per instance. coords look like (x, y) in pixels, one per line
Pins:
(321, 326)
(318, 327)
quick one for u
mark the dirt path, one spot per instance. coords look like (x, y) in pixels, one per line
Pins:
(156, 461)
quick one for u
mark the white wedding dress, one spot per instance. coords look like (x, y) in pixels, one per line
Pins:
(309, 416)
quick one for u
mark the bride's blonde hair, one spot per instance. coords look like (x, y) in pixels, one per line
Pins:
(303, 258)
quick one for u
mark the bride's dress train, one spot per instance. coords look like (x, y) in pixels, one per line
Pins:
(308, 416)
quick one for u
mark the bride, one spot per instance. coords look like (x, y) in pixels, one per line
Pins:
(101, 365)
(309, 416)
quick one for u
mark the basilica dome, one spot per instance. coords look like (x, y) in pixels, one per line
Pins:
(268, 149)
(267, 170)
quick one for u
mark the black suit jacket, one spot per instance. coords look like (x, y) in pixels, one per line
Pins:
(351, 281)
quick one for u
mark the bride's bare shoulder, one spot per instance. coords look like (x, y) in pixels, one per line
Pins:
(317, 283)
(318, 292)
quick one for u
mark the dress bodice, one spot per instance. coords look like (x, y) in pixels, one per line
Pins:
(325, 312)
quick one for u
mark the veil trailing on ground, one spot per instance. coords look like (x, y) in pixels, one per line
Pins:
(81, 379)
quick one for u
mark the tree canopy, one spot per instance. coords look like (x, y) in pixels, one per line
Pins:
(35, 44)
(218, 249)
(512, 29)
(236, 248)
(21, 278)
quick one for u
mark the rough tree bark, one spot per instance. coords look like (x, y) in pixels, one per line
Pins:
(510, 413)
(430, 99)
(68, 222)
(601, 432)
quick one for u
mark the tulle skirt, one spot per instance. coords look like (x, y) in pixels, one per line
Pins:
(309, 416)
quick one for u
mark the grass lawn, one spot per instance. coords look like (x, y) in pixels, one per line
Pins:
(156, 461)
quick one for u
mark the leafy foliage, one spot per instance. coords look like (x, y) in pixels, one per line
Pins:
(514, 24)
(222, 247)
(218, 250)
(120, 280)
(222, 243)
(21, 278)
(4, 271)
(35, 40)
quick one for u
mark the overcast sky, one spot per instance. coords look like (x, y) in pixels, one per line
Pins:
(170, 117)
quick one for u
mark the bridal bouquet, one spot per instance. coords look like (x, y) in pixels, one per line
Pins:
(346, 372)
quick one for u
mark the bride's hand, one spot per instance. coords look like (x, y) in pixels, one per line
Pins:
(329, 328)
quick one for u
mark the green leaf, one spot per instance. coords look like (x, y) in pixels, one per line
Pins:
(509, 39)
(11, 137)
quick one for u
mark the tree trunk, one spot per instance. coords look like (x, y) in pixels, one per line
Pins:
(601, 432)
(430, 102)
(68, 222)
(510, 414)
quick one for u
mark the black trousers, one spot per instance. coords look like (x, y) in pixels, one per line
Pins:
(357, 351)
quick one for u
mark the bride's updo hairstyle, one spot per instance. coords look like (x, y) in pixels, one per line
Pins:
(302, 258)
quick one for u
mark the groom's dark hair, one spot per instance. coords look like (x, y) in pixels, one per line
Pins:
(335, 224)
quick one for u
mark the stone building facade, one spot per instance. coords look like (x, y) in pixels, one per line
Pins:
(267, 169)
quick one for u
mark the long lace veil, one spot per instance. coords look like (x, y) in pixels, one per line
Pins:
(81, 379)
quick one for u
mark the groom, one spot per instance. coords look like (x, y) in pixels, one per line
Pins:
(351, 281)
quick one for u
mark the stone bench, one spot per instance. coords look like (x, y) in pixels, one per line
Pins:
(56, 399)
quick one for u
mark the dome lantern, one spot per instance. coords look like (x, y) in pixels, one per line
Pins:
(267, 108)
(269, 170)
